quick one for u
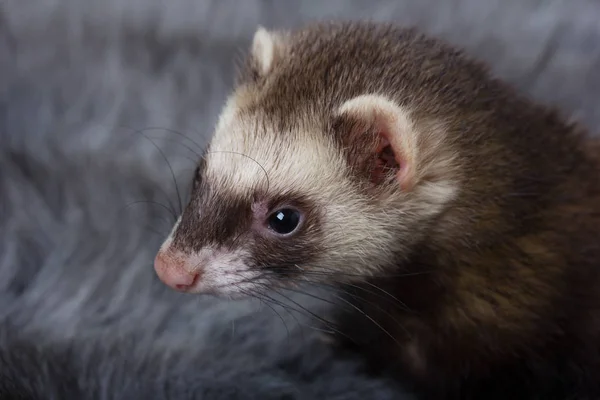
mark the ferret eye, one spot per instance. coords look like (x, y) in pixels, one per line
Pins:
(284, 221)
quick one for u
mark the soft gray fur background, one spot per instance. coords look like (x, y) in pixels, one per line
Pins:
(82, 314)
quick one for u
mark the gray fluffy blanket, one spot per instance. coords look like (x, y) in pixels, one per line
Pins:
(93, 93)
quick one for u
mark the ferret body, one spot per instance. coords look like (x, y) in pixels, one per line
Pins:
(464, 216)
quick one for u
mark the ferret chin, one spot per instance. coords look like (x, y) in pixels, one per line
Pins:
(460, 216)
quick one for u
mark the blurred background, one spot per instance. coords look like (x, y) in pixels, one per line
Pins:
(104, 108)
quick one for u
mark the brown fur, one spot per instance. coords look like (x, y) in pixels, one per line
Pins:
(500, 275)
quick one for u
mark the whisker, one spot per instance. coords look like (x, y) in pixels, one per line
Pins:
(385, 292)
(335, 282)
(142, 131)
(168, 198)
(171, 212)
(323, 272)
(150, 128)
(327, 323)
(301, 292)
(373, 304)
(285, 307)
(304, 312)
(193, 161)
(371, 319)
(153, 128)
(353, 295)
(168, 165)
(270, 286)
(395, 299)
(151, 219)
(173, 140)
(302, 324)
(255, 295)
(360, 298)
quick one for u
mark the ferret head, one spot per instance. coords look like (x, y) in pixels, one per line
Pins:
(326, 164)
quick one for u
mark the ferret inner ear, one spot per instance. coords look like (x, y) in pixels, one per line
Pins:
(267, 47)
(378, 136)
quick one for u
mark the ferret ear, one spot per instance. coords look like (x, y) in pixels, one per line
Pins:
(267, 48)
(379, 140)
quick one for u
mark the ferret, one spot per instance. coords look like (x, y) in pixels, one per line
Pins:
(463, 217)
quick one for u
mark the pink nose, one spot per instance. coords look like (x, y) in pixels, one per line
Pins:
(170, 269)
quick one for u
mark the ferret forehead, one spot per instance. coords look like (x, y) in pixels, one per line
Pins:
(250, 152)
